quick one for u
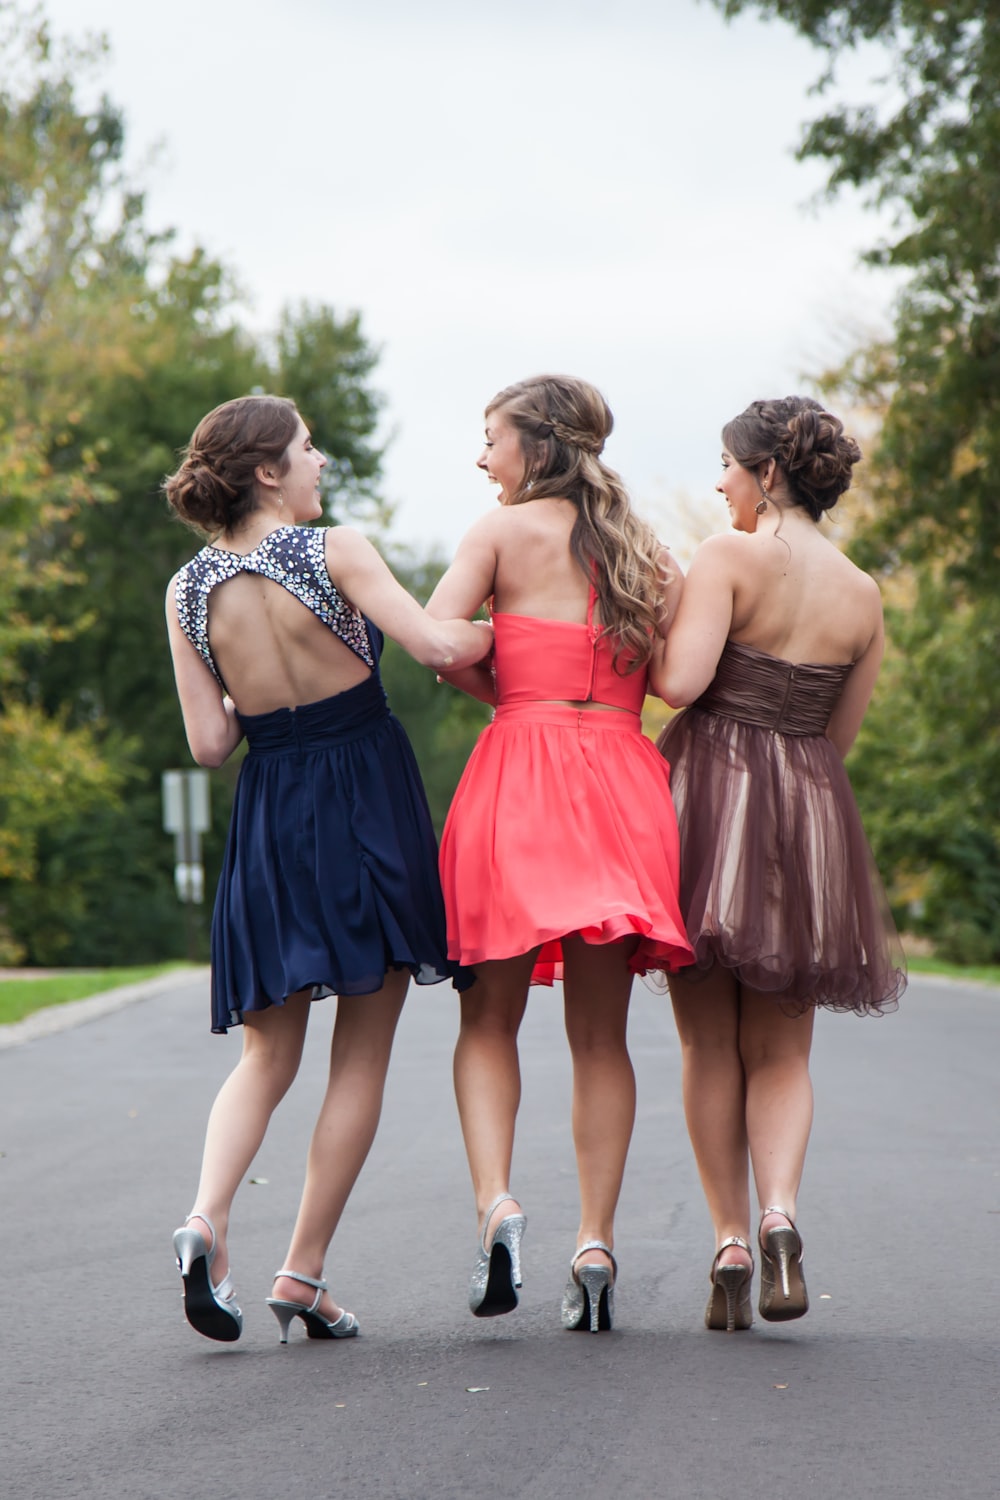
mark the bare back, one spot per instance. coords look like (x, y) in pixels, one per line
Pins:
(272, 651)
(797, 597)
(535, 572)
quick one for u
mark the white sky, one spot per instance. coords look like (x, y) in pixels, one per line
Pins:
(604, 189)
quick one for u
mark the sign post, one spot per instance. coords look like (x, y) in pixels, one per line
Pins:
(186, 816)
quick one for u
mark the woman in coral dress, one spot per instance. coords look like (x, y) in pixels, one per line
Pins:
(559, 855)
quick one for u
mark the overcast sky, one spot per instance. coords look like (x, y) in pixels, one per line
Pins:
(605, 189)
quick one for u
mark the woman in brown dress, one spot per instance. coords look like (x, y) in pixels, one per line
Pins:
(775, 648)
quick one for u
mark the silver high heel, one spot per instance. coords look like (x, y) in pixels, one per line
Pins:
(783, 1294)
(317, 1327)
(589, 1297)
(211, 1310)
(496, 1275)
(729, 1306)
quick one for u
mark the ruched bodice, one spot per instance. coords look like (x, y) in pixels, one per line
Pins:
(789, 697)
(540, 660)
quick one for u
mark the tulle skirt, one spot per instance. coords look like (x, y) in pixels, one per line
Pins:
(562, 823)
(330, 870)
(778, 882)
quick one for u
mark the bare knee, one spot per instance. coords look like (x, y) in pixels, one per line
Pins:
(770, 1038)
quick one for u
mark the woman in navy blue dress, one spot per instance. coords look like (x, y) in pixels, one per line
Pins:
(329, 884)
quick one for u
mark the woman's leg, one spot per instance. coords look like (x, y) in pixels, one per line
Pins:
(597, 989)
(272, 1050)
(707, 1012)
(779, 1100)
(488, 1077)
(359, 1060)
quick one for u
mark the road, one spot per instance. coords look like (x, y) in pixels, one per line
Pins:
(889, 1388)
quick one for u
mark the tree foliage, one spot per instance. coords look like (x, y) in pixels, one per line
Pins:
(928, 151)
(111, 349)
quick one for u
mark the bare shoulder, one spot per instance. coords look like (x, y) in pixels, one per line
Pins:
(345, 541)
(720, 554)
(864, 586)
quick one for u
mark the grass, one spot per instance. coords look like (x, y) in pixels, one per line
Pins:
(20, 996)
(984, 973)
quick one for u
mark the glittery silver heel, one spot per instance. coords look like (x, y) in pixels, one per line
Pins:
(211, 1310)
(317, 1327)
(589, 1298)
(496, 1275)
(729, 1306)
(783, 1294)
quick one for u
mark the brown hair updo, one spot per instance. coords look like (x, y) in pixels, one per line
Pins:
(215, 487)
(808, 443)
(562, 424)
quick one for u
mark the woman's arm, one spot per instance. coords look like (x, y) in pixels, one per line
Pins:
(682, 670)
(210, 723)
(471, 578)
(463, 590)
(845, 721)
(672, 584)
(361, 575)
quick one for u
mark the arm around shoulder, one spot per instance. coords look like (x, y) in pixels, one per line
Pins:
(362, 575)
(683, 668)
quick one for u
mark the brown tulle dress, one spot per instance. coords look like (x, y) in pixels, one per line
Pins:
(778, 882)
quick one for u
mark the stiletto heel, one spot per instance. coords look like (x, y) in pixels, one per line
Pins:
(729, 1306)
(496, 1275)
(589, 1298)
(317, 1327)
(783, 1294)
(211, 1310)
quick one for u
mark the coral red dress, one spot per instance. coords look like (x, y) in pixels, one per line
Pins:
(563, 821)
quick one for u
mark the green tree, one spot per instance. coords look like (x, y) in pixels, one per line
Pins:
(111, 349)
(324, 363)
(928, 762)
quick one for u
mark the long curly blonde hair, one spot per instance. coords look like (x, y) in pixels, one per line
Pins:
(562, 424)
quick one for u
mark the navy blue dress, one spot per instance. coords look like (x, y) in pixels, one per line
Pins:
(330, 874)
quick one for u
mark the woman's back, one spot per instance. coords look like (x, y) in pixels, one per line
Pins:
(536, 573)
(272, 651)
(796, 597)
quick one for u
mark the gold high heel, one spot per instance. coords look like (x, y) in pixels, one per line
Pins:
(729, 1306)
(783, 1294)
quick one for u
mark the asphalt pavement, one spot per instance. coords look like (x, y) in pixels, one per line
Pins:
(889, 1388)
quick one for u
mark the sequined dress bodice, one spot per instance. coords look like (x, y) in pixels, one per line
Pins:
(789, 697)
(295, 557)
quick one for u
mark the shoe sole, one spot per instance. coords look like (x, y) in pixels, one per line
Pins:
(501, 1295)
(203, 1311)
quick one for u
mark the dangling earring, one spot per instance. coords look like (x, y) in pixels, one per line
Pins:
(281, 501)
(761, 505)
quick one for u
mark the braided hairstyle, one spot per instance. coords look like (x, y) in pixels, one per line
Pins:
(215, 487)
(562, 424)
(808, 443)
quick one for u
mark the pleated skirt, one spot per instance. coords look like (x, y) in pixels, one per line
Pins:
(330, 870)
(778, 882)
(562, 824)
